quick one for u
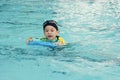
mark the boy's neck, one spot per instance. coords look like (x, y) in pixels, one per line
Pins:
(54, 40)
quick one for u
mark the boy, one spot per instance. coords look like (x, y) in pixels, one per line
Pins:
(51, 32)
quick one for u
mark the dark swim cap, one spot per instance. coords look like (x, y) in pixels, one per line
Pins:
(50, 22)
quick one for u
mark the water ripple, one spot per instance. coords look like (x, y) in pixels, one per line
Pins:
(19, 23)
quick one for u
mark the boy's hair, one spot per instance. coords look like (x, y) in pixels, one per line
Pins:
(50, 22)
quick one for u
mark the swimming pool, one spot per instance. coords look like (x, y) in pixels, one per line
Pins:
(92, 27)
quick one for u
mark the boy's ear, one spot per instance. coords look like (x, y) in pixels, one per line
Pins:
(58, 32)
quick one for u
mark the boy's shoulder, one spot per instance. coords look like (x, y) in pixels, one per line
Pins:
(40, 38)
(43, 38)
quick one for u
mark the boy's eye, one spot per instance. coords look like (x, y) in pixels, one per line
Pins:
(49, 30)
(52, 30)
(46, 30)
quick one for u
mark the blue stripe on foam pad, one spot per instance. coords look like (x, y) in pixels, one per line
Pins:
(41, 43)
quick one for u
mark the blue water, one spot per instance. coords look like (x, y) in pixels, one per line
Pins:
(91, 27)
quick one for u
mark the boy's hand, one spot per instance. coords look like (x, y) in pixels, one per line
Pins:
(59, 43)
(29, 39)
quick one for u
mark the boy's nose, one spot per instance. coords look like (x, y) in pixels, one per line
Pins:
(49, 32)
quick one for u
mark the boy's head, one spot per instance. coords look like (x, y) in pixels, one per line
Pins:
(50, 29)
(51, 23)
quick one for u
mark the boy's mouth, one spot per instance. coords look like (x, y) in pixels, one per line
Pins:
(49, 36)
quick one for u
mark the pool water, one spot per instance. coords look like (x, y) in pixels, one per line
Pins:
(91, 27)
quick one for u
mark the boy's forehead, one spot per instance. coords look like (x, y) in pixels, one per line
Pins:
(49, 27)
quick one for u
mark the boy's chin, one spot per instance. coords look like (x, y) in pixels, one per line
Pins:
(50, 38)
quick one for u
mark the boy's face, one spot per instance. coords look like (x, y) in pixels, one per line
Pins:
(50, 32)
